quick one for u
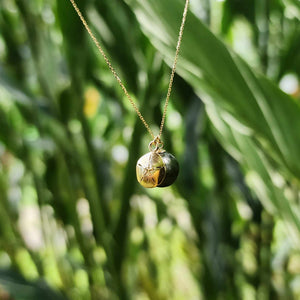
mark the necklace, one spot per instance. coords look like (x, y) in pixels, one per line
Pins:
(157, 168)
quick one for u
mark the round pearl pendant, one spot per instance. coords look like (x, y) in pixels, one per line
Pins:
(157, 168)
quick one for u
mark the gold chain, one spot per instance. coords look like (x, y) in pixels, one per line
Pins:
(119, 80)
(174, 67)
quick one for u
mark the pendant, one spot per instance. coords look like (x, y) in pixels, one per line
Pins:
(157, 168)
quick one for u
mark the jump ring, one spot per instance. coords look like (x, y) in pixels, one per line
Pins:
(156, 144)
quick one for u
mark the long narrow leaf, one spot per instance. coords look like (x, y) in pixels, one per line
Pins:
(222, 78)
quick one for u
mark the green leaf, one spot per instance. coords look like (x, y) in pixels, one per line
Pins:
(33, 110)
(254, 120)
(6, 82)
(21, 289)
(264, 180)
(222, 78)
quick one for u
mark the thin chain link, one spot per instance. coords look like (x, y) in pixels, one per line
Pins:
(111, 67)
(174, 67)
(119, 80)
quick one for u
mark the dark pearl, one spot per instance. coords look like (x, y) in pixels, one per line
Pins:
(157, 169)
(172, 169)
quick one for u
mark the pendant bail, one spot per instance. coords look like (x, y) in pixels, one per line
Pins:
(156, 144)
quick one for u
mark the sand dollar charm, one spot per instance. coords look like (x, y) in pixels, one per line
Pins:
(157, 168)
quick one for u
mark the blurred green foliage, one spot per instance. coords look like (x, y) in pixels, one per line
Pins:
(74, 224)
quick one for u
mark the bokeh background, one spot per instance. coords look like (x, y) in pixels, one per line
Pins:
(75, 224)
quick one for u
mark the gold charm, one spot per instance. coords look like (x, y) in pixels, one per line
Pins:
(157, 168)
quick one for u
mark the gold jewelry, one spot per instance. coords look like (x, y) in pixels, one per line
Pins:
(157, 168)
